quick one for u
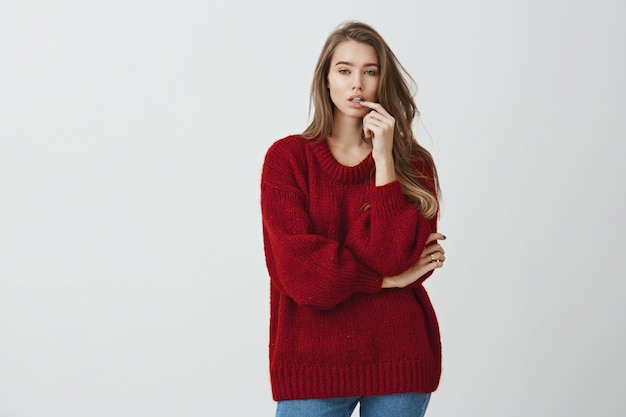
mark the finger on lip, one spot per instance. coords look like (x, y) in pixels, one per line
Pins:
(369, 104)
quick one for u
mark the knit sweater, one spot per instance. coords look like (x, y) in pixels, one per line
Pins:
(333, 331)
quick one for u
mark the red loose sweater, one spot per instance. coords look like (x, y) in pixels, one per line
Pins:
(333, 331)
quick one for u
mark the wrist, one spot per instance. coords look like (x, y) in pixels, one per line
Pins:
(385, 172)
(388, 282)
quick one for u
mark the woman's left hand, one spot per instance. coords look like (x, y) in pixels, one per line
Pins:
(378, 125)
(432, 257)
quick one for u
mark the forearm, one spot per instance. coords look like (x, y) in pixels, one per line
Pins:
(390, 235)
(313, 270)
(316, 271)
(385, 171)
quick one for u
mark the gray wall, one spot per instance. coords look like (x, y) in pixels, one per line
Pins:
(132, 278)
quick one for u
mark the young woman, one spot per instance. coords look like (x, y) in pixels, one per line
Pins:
(349, 223)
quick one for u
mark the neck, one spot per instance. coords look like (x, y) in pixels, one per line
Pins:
(346, 132)
(346, 143)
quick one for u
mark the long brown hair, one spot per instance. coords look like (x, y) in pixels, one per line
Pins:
(395, 96)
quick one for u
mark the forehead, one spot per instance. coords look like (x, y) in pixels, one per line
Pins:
(354, 52)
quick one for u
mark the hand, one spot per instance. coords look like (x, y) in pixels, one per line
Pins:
(379, 125)
(432, 257)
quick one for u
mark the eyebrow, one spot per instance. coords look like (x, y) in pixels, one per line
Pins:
(352, 65)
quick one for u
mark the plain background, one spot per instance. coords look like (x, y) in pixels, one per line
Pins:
(132, 277)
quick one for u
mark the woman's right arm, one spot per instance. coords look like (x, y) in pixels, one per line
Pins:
(311, 269)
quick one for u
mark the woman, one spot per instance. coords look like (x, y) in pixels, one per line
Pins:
(349, 223)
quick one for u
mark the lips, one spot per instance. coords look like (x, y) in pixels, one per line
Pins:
(356, 99)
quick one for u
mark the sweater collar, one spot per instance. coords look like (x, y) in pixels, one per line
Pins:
(356, 174)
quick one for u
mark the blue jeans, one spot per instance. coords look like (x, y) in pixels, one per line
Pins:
(396, 405)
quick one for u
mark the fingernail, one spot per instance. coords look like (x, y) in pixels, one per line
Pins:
(444, 237)
(361, 101)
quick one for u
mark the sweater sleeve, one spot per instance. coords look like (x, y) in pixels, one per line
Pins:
(311, 269)
(392, 234)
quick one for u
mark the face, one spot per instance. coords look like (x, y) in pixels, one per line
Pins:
(353, 75)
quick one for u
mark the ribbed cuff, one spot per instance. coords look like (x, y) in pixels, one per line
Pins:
(387, 200)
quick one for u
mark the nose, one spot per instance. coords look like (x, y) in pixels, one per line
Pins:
(357, 82)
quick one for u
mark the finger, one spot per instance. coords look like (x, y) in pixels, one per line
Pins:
(437, 257)
(383, 122)
(378, 127)
(371, 129)
(375, 106)
(373, 117)
(435, 236)
(434, 248)
(367, 132)
(432, 258)
(373, 125)
(423, 261)
(383, 117)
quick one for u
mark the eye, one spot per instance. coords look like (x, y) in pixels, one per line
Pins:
(370, 72)
(344, 71)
